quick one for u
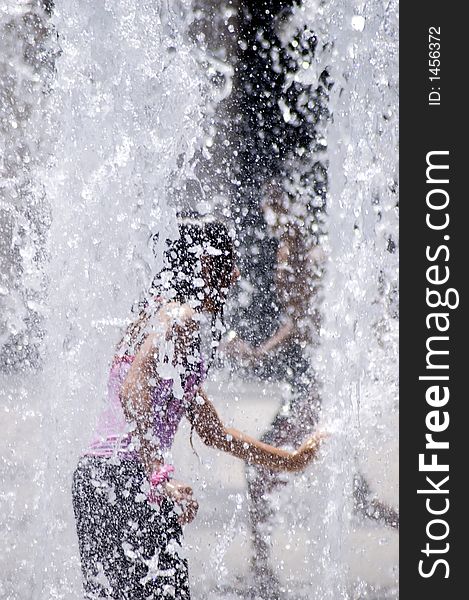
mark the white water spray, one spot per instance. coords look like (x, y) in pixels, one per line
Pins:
(358, 357)
(122, 124)
(115, 133)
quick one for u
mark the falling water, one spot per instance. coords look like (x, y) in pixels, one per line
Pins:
(358, 355)
(116, 134)
(114, 100)
(323, 547)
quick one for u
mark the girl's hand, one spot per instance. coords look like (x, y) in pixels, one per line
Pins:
(306, 452)
(181, 494)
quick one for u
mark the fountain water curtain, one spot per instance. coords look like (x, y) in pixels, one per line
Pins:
(108, 137)
(323, 546)
(359, 338)
(101, 115)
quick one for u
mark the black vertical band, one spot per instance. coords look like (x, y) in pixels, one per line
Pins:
(433, 117)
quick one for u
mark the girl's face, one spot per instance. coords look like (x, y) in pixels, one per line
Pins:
(216, 291)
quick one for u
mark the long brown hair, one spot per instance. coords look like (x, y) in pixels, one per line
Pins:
(181, 278)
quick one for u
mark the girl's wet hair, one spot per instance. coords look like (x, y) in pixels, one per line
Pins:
(199, 266)
(182, 279)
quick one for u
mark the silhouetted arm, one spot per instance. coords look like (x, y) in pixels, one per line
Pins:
(211, 430)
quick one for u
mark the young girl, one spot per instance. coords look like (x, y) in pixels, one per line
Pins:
(129, 510)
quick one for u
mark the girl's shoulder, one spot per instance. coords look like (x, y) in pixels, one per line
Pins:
(176, 315)
(169, 327)
(173, 321)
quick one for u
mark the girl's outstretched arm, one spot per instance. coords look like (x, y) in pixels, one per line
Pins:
(207, 423)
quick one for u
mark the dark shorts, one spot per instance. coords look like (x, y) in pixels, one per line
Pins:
(129, 549)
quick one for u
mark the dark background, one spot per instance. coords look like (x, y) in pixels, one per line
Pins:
(262, 145)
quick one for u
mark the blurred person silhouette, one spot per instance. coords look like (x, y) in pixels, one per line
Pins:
(298, 273)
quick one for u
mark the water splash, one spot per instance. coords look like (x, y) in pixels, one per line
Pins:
(358, 356)
(26, 67)
(118, 129)
(121, 126)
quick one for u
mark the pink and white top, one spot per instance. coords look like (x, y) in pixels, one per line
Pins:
(112, 436)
